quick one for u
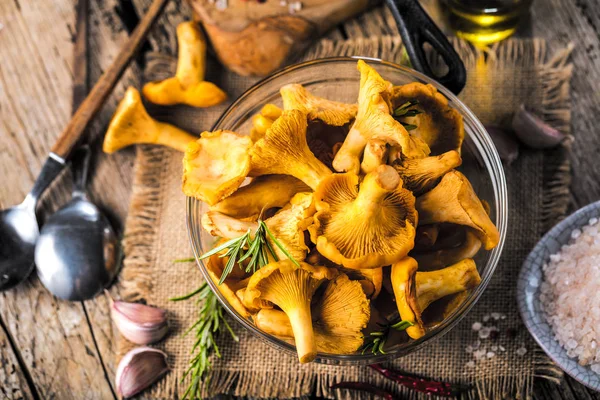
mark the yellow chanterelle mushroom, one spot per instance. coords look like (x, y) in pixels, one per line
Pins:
(368, 227)
(297, 97)
(262, 193)
(288, 226)
(215, 165)
(228, 288)
(422, 174)
(374, 121)
(283, 150)
(263, 120)
(291, 288)
(438, 124)
(131, 124)
(339, 316)
(453, 200)
(188, 85)
(415, 291)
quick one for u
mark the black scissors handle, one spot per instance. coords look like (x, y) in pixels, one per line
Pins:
(416, 29)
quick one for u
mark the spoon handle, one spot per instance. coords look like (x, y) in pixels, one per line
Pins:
(102, 89)
(80, 165)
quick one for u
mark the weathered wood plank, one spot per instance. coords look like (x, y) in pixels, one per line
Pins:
(13, 383)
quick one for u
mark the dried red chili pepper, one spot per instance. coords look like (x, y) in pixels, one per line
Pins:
(419, 384)
(363, 387)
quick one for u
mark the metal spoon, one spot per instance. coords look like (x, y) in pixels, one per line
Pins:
(18, 225)
(77, 252)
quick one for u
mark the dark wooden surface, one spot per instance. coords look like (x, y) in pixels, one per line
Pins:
(60, 350)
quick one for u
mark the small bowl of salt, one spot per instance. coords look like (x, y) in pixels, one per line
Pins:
(558, 291)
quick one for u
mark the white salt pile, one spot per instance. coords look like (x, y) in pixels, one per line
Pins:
(570, 295)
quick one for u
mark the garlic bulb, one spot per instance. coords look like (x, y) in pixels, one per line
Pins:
(139, 323)
(138, 369)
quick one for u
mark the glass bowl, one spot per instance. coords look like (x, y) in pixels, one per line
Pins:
(338, 79)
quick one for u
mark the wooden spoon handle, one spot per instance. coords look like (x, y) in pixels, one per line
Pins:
(102, 89)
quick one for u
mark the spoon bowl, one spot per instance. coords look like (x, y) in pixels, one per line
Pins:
(77, 252)
(18, 234)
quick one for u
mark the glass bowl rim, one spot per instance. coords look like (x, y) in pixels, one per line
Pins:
(485, 148)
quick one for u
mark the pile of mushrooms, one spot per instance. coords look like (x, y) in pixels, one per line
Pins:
(369, 204)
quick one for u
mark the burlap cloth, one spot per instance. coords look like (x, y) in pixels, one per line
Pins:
(513, 72)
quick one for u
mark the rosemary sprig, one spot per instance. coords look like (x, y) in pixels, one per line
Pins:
(404, 111)
(210, 324)
(255, 247)
(376, 339)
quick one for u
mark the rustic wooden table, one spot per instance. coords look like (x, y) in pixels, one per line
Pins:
(56, 349)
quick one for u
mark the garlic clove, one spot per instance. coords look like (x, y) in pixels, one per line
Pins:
(535, 133)
(139, 323)
(505, 142)
(139, 369)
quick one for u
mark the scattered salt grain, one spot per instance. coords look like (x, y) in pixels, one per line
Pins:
(494, 348)
(470, 364)
(486, 318)
(479, 354)
(294, 7)
(569, 294)
(484, 333)
(521, 351)
(476, 344)
(221, 5)
(490, 354)
(469, 349)
(495, 315)
(501, 348)
(476, 326)
(283, 3)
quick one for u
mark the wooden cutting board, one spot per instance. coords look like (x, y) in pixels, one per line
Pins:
(254, 38)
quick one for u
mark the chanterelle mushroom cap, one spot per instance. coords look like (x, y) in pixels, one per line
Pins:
(214, 267)
(422, 174)
(188, 85)
(433, 285)
(374, 120)
(291, 288)
(297, 97)
(439, 125)
(288, 226)
(131, 124)
(403, 283)
(440, 258)
(283, 150)
(215, 165)
(339, 316)
(453, 200)
(262, 193)
(366, 228)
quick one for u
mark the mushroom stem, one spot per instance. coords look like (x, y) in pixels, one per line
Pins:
(301, 320)
(375, 155)
(171, 136)
(274, 322)
(376, 186)
(191, 52)
(434, 285)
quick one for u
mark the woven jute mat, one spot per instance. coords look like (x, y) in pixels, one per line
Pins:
(510, 73)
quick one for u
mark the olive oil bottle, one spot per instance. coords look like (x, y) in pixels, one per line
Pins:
(486, 21)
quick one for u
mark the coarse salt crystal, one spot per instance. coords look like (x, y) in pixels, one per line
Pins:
(484, 333)
(469, 349)
(501, 348)
(596, 368)
(495, 315)
(593, 221)
(476, 326)
(494, 348)
(294, 7)
(490, 354)
(521, 351)
(479, 354)
(486, 318)
(470, 364)
(575, 234)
